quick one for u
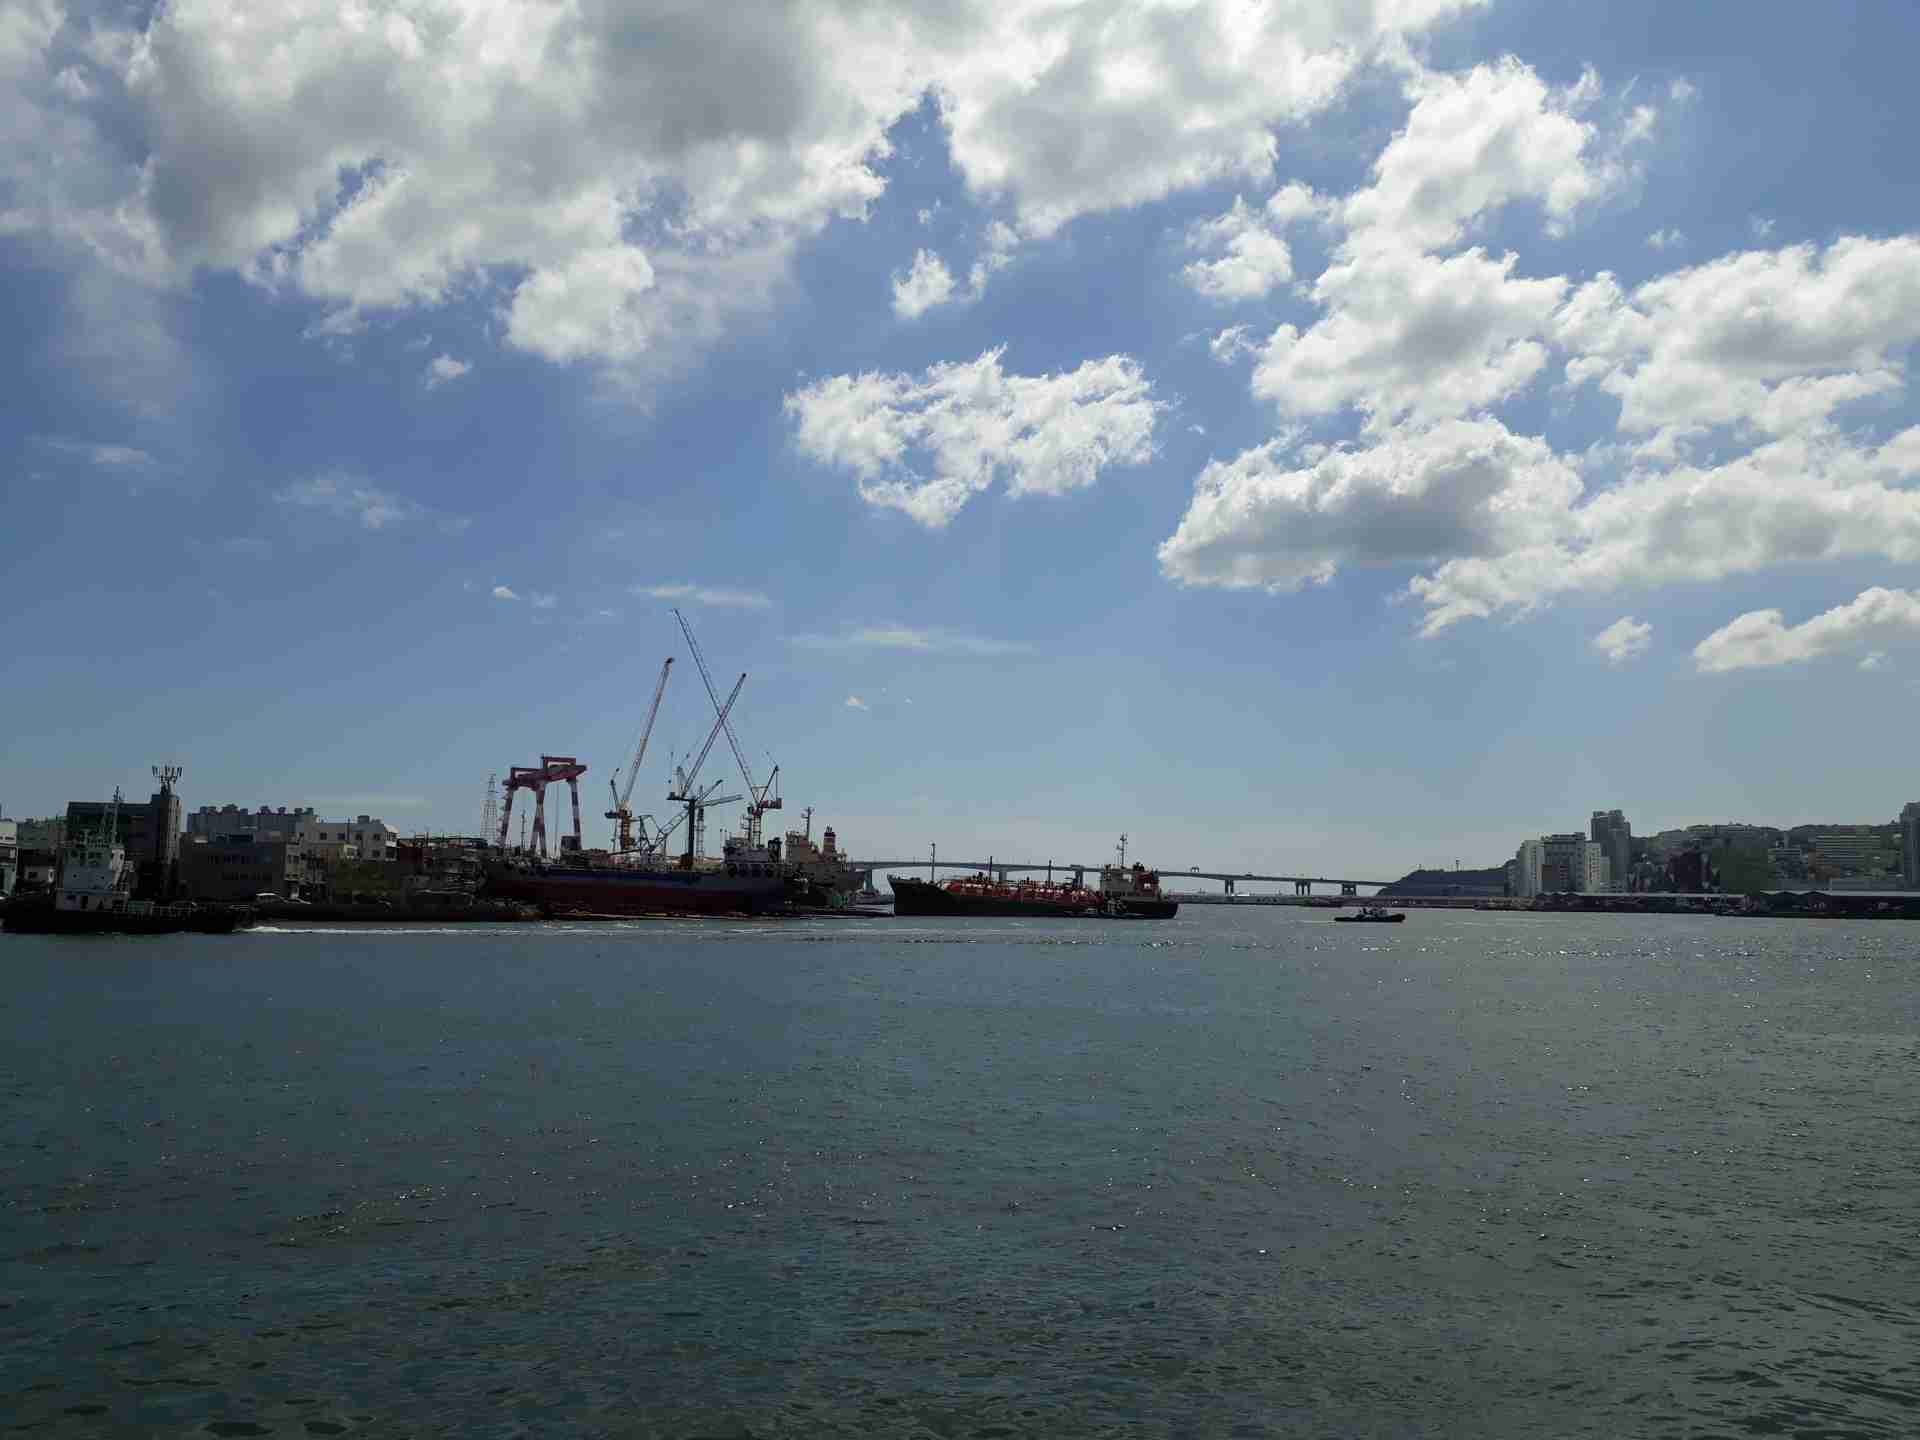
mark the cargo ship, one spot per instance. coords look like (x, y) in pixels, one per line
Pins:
(1124, 893)
(585, 887)
(93, 895)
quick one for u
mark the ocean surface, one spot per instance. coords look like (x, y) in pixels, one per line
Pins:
(1242, 1173)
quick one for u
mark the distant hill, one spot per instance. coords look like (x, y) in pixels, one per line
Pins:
(1449, 882)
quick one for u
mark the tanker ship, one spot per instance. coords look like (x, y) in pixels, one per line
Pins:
(1124, 893)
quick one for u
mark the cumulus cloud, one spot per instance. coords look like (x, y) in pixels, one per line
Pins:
(854, 702)
(545, 602)
(1251, 257)
(926, 284)
(911, 638)
(1626, 639)
(718, 596)
(443, 369)
(343, 496)
(502, 592)
(1731, 378)
(1772, 340)
(1871, 620)
(927, 444)
(1664, 239)
(1269, 519)
(627, 178)
(1802, 500)
(1411, 336)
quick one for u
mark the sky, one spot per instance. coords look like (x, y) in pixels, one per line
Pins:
(1305, 436)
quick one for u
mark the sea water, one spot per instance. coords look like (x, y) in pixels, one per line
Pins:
(1245, 1172)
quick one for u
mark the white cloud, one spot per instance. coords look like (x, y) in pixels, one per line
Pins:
(1230, 344)
(1270, 520)
(1761, 226)
(1253, 258)
(1474, 142)
(1771, 339)
(1626, 639)
(443, 369)
(1411, 336)
(970, 423)
(1871, 620)
(340, 495)
(910, 638)
(718, 596)
(927, 284)
(1807, 499)
(502, 592)
(854, 702)
(1874, 661)
(997, 245)
(636, 174)
(1666, 239)
(545, 602)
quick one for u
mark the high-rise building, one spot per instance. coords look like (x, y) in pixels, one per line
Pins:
(1526, 870)
(1610, 830)
(1910, 845)
(1572, 862)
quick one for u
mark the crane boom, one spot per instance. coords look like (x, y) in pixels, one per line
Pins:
(706, 676)
(646, 733)
(757, 801)
(712, 735)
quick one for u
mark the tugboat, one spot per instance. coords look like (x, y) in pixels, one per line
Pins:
(1124, 893)
(93, 895)
(1372, 914)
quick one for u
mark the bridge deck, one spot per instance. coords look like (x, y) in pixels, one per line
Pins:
(1058, 867)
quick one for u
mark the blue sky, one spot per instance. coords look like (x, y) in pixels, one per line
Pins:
(1300, 438)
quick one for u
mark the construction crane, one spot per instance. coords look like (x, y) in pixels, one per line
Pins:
(696, 834)
(763, 797)
(683, 792)
(622, 791)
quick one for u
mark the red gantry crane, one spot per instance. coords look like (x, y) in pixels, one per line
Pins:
(622, 791)
(536, 778)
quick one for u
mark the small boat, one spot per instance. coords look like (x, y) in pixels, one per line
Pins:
(1372, 914)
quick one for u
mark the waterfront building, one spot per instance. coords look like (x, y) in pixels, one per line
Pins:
(36, 870)
(372, 838)
(9, 856)
(1854, 852)
(1910, 845)
(239, 866)
(49, 834)
(1572, 862)
(150, 833)
(1609, 829)
(1527, 870)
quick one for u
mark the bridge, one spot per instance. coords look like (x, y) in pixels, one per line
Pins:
(1302, 884)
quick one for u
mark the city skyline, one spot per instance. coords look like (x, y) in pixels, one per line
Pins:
(1298, 443)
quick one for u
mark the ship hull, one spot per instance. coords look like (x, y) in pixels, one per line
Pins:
(46, 920)
(619, 891)
(919, 897)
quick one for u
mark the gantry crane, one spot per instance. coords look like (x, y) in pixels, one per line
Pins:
(761, 798)
(622, 790)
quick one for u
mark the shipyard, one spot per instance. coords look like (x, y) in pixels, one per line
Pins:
(119, 865)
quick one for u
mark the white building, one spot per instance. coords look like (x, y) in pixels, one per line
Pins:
(1526, 870)
(9, 855)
